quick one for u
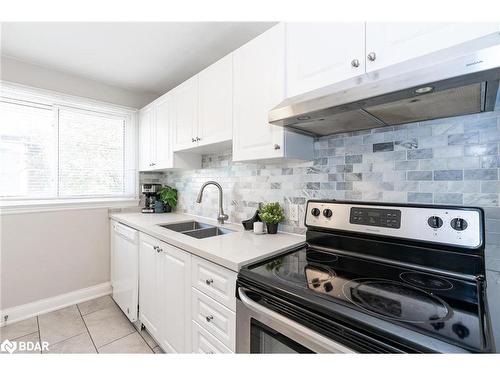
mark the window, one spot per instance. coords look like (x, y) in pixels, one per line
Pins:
(51, 151)
(91, 154)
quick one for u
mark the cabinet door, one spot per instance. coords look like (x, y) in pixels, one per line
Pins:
(392, 43)
(146, 136)
(150, 285)
(186, 121)
(216, 102)
(259, 85)
(176, 292)
(164, 110)
(319, 54)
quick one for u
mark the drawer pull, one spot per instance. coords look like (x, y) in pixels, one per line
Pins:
(209, 281)
(209, 318)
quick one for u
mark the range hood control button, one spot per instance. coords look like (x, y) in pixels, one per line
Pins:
(315, 212)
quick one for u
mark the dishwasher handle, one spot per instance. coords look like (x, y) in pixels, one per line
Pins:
(326, 343)
(127, 233)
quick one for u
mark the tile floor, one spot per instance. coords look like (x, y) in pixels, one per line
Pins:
(96, 326)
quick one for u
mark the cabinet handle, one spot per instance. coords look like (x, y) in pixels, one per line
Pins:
(276, 147)
(158, 249)
(198, 139)
(371, 56)
(209, 281)
(193, 140)
(152, 164)
(209, 318)
(355, 63)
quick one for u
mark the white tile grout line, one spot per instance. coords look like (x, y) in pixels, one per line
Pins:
(102, 346)
(39, 336)
(128, 334)
(87, 328)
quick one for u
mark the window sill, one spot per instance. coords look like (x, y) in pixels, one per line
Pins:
(46, 205)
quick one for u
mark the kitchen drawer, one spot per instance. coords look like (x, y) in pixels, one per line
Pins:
(215, 318)
(205, 343)
(215, 281)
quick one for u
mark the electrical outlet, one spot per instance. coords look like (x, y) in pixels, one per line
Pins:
(293, 212)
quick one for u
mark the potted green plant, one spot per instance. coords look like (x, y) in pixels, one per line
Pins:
(168, 195)
(272, 214)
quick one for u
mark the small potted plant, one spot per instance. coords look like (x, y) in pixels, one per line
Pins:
(168, 195)
(272, 214)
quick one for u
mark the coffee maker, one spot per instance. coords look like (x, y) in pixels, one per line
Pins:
(151, 193)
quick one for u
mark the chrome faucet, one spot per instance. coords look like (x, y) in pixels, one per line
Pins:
(222, 216)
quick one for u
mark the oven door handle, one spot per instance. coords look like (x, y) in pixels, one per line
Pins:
(329, 345)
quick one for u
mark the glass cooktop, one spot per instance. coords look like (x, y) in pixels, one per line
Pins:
(443, 307)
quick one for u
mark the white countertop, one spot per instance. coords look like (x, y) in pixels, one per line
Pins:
(232, 250)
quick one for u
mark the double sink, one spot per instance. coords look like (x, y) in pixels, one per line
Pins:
(196, 229)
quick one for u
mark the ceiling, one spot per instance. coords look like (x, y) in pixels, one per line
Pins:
(149, 57)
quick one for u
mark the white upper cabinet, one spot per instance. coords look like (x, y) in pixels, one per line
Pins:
(156, 129)
(318, 54)
(259, 85)
(164, 115)
(392, 43)
(215, 103)
(146, 136)
(186, 123)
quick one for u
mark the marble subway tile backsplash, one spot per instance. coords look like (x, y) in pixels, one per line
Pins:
(448, 161)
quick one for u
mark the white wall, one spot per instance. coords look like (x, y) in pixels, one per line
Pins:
(13, 70)
(45, 254)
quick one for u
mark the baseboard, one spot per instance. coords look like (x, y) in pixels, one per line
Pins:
(18, 313)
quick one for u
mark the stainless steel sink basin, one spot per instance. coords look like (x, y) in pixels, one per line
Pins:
(208, 232)
(196, 229)
(185, 226)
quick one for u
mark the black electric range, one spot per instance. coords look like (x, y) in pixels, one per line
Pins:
(374, 278)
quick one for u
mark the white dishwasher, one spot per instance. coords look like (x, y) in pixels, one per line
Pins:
(125, 268)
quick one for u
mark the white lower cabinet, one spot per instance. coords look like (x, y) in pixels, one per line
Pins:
(150, 285)
(180, 317)
(204, 343)
(215, 318)
(176, 297)
(215, 281)
(165, 294)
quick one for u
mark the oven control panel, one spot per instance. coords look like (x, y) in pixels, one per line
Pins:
(377, 217)
(453, 226)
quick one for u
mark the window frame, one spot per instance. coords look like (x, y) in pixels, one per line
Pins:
(46, 99)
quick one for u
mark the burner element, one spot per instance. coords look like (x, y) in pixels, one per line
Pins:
(426, 281)
(323, 257)
(396, 301)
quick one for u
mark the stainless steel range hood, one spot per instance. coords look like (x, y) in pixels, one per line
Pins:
(431, 87)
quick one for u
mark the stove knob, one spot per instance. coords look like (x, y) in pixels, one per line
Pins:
(460, 330)
(315, 282)
(328, 287)
(327, 212)
(459, 224)
(315, 212)
(435, 222)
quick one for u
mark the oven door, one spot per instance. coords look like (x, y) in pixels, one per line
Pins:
(261, 330)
